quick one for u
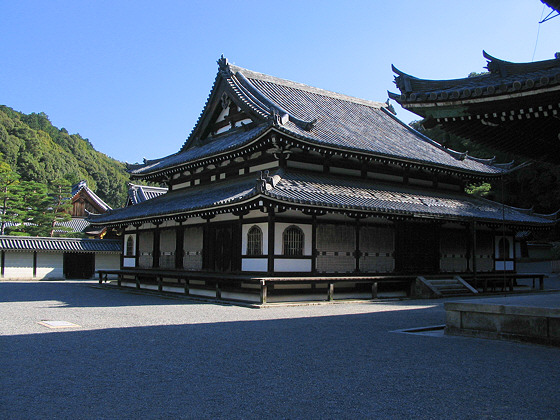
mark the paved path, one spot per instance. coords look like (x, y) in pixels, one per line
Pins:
(140, 356)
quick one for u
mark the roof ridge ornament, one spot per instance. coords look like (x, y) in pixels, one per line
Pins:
(223, 65)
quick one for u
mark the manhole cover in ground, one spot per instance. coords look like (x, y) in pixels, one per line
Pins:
(58, 324)
(431, 331)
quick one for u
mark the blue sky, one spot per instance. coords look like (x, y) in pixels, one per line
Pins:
(133, 76)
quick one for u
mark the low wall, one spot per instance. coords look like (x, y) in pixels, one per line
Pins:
(492, 320)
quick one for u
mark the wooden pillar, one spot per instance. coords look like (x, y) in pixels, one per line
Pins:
(474, 254)
(137, 246)
(160, 283)
(374, 290)
(35, 263)
(357, 252)
(119, 279)
(186, 286)
(314, 244)
(218, 290)
(3, 262)
(155, 248)
(137, 281)
(270, 266)
(179, 245)
(330, 292)
(468, 252)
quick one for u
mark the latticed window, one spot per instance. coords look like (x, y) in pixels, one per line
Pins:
(503, 249)
(130, 246)
(293, 241)
(255, 241)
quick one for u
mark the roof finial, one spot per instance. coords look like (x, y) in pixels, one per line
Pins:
(223, 63)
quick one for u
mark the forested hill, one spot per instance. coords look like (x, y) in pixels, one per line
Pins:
(41, 152)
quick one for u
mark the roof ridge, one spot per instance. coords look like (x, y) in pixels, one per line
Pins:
(311, 89)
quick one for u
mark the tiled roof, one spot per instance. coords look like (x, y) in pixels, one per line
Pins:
(320, 117)
(25, 243)
(503, 78)
(183, 201)
(221, 144)
(325, 192)
(333, 192)
(82, 185)
(140, 193)
(77, 224)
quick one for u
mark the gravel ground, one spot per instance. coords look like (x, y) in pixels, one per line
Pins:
(145, 356)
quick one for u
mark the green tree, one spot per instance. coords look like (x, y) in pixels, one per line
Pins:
(10, 199)
(60, 193)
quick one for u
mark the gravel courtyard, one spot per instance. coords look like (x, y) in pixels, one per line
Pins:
(144, 356)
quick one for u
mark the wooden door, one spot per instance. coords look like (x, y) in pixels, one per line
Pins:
(221, 248)
(417, 248)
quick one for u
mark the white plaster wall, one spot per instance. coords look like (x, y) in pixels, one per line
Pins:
(287, 265)
(279, 230)
(109, 261)
(254, 264)
(504, 265)
(245, 229)
(18, 265)
(50, 266)
(129, 262)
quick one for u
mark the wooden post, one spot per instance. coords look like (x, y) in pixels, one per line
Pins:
(137, 281)
(218, 290)
(330, 292)
(100, 276)
(314, 243)
(186, 286)
(357, 253)
(270, 266)
(137, 246)
(263, 292)
(119, 279)
(474, 256)
(179, 245)
(374, 290)
(155, 247)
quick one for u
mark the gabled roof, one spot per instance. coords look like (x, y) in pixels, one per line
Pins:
(327, 192)
(318, 117)
(27, 243)
(82, 186)
(140, 193)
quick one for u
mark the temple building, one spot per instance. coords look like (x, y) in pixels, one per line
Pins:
(284, 191)
(514, 107)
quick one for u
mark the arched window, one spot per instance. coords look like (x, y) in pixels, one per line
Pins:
(503, 248)
(130, 246)
(255, 241)
(293, 241)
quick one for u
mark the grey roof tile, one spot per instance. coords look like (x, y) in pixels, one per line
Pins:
(324, 191)
(324, 118)
(23, 243)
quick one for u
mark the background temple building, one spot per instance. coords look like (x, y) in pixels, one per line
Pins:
(284, 191)
(515, 107)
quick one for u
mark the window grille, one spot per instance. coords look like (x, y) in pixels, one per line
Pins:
(293, 241)
(255, 241)
(130, 246)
